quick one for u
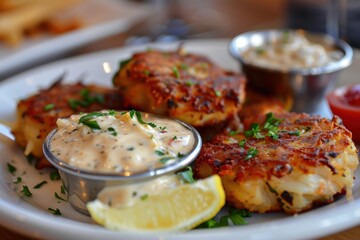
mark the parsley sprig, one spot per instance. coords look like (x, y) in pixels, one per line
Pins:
(234, 217)
(86, 99)
(138, 116)
(89, 121)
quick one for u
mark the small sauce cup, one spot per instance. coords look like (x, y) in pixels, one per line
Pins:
(304, 87)
(83, 186)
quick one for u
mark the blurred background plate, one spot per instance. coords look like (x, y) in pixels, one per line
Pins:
(112, 17)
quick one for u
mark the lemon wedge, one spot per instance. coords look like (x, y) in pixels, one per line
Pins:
(172, 210)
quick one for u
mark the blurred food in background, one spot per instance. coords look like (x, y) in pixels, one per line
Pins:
(23, 18)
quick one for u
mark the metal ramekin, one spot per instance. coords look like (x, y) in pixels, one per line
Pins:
(83, 186)
(305, 87)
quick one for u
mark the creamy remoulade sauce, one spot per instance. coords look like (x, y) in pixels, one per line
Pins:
(110, 141)
(292, 50)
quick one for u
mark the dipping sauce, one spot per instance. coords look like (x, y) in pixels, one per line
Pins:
(345, 102)
(129, 141)
(292, 50)
(352, 95)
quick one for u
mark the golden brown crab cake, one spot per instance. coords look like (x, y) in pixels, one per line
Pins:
(37, 114)
(180, 85)
(304, 162)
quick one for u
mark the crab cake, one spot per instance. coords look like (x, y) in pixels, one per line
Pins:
(37, 114)
(180, 85)
(286, 162)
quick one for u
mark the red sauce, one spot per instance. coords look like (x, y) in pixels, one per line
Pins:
(352, 95)
(345, 102)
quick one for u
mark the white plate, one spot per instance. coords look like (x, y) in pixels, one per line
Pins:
(110, 17)
(30, 215)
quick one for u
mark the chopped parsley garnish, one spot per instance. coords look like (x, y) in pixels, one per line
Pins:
(162, 128)
(112, 130)
(130, 149)
(86, 99)
(242, 143)
(271, 121)
(54, 175)
(190, 83)
(26, 192)
(58, 197)
(89, 121)
(165, 159)
(252, 152)
(146, 72)
(294, 132)
(49, 106)
(11, 168)
(124, 63)
(39, 185)
(232, 133)
(235, 216)
(175, 137)
(176, 72)
(187, 175)
(144, 197)
(18, 180)
(55, 211)
(160, 152)
(184, 66)
(133, 113)
(254, 131)
(30, 158)
(62, 189)
(179, 155)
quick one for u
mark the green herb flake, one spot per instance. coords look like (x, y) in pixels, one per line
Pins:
(48, 107)
(39, 185)
(254, 132)
(160, 152)
(144, 197)
(58, 197)
(184, 66)
(165, 159)
(146, 72)
(26, 192)
(252, 152)
(54, 175)
(30, 158)
(294, 132)
(123, 63)
(11, 168)
(62, 189)
(232, 133)
(17, 180)
(187, 175)
(190, 83)
(176, 72)
(174, 138)
(133, 113)
(242, 143)
(271, 121)
(235, 216)
(218, 93)
(55, 211)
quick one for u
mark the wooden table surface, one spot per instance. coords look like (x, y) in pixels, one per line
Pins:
(260, 13)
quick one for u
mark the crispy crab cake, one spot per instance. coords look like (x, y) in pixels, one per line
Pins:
(180, 85)
(287, 162)
(37, 114)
